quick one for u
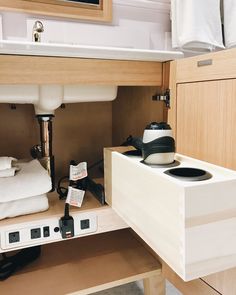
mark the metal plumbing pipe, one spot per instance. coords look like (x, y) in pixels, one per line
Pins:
(47, 158)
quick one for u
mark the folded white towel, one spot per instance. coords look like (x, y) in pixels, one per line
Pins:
(6, 162)
(8, 172)
(230, 22)
(196, 25)
(31, 180)
(24, 206)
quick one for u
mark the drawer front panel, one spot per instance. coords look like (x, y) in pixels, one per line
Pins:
(205, 67)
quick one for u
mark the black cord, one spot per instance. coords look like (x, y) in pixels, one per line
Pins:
(61, 190)
(9, 265)
(67, 211)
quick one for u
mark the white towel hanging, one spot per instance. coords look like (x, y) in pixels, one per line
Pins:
(230, 23)
(196, 25)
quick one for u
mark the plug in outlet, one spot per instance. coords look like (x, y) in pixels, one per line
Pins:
(39, 232)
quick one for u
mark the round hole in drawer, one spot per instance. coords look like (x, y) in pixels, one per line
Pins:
(189, 174)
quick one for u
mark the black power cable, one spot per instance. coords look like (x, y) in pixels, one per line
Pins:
(95, 188)
(11, 264)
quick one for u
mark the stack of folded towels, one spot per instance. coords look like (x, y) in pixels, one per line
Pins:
(23, 187)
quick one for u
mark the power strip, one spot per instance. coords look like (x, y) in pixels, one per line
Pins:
(43, 231)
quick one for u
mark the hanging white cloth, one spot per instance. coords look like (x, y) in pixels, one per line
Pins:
(229, 7)
(196, 25)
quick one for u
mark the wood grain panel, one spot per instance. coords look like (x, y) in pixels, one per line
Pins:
(79, 12)
(87, 265)
(223, 66)
(224, 282)
(60, 70)
(204, 107)
(154, 285)
(206, 120)
(171, 114)
(133, 110)
(80, 131)
(18, 130)
(195, 287)
(165, 85)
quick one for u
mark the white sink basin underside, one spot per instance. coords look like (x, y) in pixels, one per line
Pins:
(84, 51)
(47, 98)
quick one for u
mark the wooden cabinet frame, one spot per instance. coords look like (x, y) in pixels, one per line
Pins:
(209, 75)
(101, 13)
(64, 70)
(88, 71)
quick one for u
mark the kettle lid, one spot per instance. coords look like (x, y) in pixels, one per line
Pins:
(158, 126)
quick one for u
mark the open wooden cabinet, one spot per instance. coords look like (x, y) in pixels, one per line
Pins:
(110, 255)
(202, 115)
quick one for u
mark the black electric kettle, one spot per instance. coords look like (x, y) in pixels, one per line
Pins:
(157, 145)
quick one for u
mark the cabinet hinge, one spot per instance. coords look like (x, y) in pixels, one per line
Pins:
(163, 97)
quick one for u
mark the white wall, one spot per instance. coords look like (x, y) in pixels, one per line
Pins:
(136, 24)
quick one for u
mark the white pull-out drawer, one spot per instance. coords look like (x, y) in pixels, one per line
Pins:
(191, 225)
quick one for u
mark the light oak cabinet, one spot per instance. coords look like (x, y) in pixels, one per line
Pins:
(74, 136)
(203, 114)
(206, 119)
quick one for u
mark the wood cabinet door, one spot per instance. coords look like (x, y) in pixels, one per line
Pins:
(206, 129)
(206, 121)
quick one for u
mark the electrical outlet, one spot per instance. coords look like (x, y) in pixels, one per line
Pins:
(43, 231)
(84, 224)
(14, 237)
(35, 233)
